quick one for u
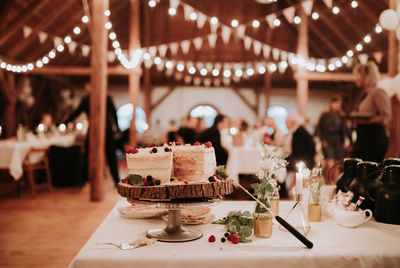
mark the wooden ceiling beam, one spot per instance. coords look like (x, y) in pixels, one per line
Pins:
(41, 26)
(372, 17)
(335, 29)
(329, 76)
(21, 19)
(324, 39)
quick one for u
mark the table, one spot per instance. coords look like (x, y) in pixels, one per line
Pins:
(370, 245)
(242, 160)
(13, 152)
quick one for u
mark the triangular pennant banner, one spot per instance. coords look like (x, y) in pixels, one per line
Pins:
(247, 42)
(207, 82)
(281, 68)
(214, 27)
(148, 64)
(187, 10)
(235, 79)
(169, 72)
(173, 47)
(185, 45)
(162, 50)
(201, 20)
(58, 41)
(42, 37)
(289, 13)
(212, 40)
(197, 81)
(72, 46)
(328, 3)
(199, 65)
(270, 20)
(187, 79)
(178, 76)
(209, 66)
(217, 82)
(378, 57)
(226, 34)
(152, 51)
(241, 30)
(160, 66)
(198, 42)
(275, 54)
(284, 55)
(226, 82)
(257, 45)
(363, 58)
(26, 31)
(266, 51)
(111, 56)
(85, 50)
(307, 6)
(174, 3)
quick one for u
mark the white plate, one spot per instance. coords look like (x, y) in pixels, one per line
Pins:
(140, 212)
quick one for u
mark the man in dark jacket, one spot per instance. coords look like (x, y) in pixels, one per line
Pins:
(213, 134)
(111, 129)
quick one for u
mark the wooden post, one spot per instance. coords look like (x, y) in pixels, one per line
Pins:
(302, 50)
(147, 89)
(267, 91)
(8, 86)
(134, 79)
(98, 96)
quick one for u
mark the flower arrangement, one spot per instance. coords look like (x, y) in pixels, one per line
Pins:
(272, 164)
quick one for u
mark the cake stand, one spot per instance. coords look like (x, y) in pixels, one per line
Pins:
(173, 231)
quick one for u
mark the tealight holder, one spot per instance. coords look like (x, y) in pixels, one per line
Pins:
(297, 216)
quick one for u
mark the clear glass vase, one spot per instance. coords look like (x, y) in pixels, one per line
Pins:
(297, 217)
(262, 222)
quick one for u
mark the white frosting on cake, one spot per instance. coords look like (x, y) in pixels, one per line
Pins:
(144, 163)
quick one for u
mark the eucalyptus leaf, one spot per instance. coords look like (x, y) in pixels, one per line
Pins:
(136, 179)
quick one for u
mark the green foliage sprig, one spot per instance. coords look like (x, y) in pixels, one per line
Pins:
(238, 222)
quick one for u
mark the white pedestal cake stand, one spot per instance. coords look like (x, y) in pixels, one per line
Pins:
(174, 232)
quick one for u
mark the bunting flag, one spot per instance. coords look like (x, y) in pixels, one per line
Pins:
(169, 72)
(378, 57)
(257, 46)
(266, 50)
(226, 34)
(241, 30)
(247, 42)
(72, 46)
(152, 51)
(363, 58)
(160, 66)
(173, 47)
(162, 50)
(217, 82)
(235, 79)
(226, 82)
(178, 76)
(284, 55)
(209, 66)
(212, 40)
(42, 37)
(289, 13)
(111, 56)
(85, 50)
(187, 10)
(26, 31)
(58, 41)
(197, 81)
(328, 3)
(198, 42)
(174, 3)
(275, 54)
(281, 68)
(207, 82)
(308, 6)
(214, 27)
(201, 20)
(187, 79)
(147, 64)
(199, 65)
(185, 46)
(270, 20)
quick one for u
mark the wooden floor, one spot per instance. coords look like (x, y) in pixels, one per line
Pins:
(48, 230)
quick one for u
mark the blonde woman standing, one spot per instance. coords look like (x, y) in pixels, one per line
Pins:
(372, 135)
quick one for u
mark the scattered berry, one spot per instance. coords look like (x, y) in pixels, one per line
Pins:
(208, 144)
(234, 239)
(226, 234)
(223, 239)
(185, 182)
(149, 178)
(151, 183)
(170, 149)
(196, 143)
(229, 237)
(131, 150)
(172, 179)
(124, 180)
(211, 239)
(157, 182)
(218, 177)
(211, 179)
(154, 150)
(166, 149)
(146, 183)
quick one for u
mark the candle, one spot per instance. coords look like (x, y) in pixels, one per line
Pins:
(299, 178)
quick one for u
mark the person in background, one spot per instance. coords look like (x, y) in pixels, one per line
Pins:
(331, 130)
(201, 125)
(188, 131)
(48, 123)
(213, 135)
(372, 132)
(172, 135)
(111, 131)
(275, 133)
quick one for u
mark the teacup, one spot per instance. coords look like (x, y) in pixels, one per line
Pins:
(351, 218)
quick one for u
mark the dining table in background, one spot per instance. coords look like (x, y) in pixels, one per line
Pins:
(14, 152)
(243, 160)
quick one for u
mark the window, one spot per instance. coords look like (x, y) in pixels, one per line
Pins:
(205, 111)
(124, 115)
(279, 113)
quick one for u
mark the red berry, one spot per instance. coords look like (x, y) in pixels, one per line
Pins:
(131, 150)
(229, 237)
(196, 143)
(151, 151)
(170, 149)
(234, 239)
(208, 144)
(218, 177)
(146, 183)
(185, 182)
(124, 180)
(211, 239)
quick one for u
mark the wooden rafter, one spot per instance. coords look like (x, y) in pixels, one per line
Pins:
(41, 26)
(163, 97)
(335, 29)
(324, 39)
(246, 101)
(21, 19)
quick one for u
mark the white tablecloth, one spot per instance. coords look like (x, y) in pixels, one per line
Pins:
(242, 160)
(370, 245)
(13, 152)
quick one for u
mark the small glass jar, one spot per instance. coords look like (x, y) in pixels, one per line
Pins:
(314, 206)
(262, 222)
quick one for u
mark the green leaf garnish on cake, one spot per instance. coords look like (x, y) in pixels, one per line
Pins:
(220, 171)
(135, 179)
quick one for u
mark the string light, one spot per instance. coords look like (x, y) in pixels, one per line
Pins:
(146, 56)
(272, 67)
(180, 67)
(227, 73)
(39, 64)
(169, 64)
(315, 16)
(359, 47)
(107, 13)
(345, 59)
(152, 3)
(60, 48)
(193, 16)
(52, 54)
(30, 66)
(192, 70)
(214, 20)
(203, 71)
(378, 29)
(250, 71)
(77, 30)
(277, 22)
(157, 60)
(321, 68)
(238, 73)
(367, 39)
(338, 63)
(297, 20)
(283, 64)
(354, 4)
(350, 53)
(108, 25)
(112, 36)
(172, 11)
(234, 23)
(215, 72)
(335, 10)
(3, 65)
(261, 70)
(115, 44)
(85, 19)
(256, 24)
(67, 39)
(45, 60)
